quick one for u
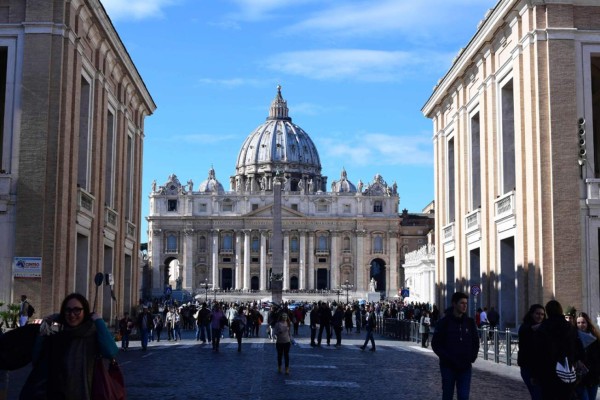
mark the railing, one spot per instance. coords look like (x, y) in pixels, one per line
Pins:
(85, 202)
(473, 220)
(322, 252)
(505, 205)
(110, 217)
(497, 345)
(448, 232)
(130, 229)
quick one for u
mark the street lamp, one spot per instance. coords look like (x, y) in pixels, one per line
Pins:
(338, 292)
(347, 286)
(205, 285)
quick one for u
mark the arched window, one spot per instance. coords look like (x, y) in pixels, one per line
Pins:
(346, 244)
(294, 244)
(255, 244)
(378, 244)
(228, 242)
(171, 243)
(322, 244)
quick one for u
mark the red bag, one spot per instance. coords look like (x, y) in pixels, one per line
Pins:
(108, 383)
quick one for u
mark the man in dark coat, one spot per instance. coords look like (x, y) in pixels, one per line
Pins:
(456, 343)
(325, 320)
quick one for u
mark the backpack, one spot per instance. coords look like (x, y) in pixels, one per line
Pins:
(235, 325)
(30, 310)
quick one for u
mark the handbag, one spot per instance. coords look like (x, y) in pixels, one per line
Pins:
(565, 372)
(108, 383)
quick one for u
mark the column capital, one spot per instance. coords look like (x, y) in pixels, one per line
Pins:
(156, 232)
(188, 232)
(361, 232)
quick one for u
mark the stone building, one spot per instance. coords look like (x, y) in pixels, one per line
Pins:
(72, 110)
(220, 237)
(516, 124)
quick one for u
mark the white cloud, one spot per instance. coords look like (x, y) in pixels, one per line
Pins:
(136, 9)
(413, 18)
(380, 149)
(365, 65)
(232, 82)
(259, 10)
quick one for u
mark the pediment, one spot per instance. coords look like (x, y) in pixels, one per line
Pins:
(267, 212)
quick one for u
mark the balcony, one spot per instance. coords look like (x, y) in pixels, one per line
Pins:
(85, 202)
(322, 252)
(226, 251)
(473, 221)
(505, 205)
(130, 230)
(448, 233)
(593, 192)
(110, 217)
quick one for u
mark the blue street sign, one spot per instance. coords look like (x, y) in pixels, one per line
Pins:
(405, 293)
(168, 291)
(475, 290)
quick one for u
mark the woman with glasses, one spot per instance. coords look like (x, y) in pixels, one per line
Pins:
(64, 355)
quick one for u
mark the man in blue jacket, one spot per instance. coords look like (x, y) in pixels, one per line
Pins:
(456, 343)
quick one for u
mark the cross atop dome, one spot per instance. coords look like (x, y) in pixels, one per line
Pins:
(279, 109)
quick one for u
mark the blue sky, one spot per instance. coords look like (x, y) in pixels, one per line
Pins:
(355, 74)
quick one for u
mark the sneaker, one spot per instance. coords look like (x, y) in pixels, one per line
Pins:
(362, 347)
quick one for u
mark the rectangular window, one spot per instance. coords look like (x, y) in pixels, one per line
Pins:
(129, 178)
(84, 151)
(4, 163)
(322, 207)
(109, 170)
(508, 137)
(254, 207)
(254, 260)
(202, 207)
(295, 207)
(171, 205)
(227, 207)
(322, 260)
(451, 180)
(294, 260)
(475, 163)
(595, 83)
(347, 209)
(82, 269)
(378, 207)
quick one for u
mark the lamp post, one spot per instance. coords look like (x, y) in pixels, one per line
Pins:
(205, 285)
(338, 292)
(347, 286)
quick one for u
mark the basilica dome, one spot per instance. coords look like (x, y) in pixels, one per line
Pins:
(278, 145)
(211, 184)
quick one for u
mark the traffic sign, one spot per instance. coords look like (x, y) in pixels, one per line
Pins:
(475, 290)
(168, 291)
(405, 293)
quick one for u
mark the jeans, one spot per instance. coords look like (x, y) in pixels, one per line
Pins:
(534, 390)
(327, 332)
(459, 378)
(371, 338)
(283, 351)
(144, 333)
(587, 392)
(125, 341)
(204, 330)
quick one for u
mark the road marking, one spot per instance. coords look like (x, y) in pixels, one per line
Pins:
(308, 355)
(317, 366)
(324, 383)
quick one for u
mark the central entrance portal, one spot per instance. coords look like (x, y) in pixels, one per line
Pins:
(377, 271)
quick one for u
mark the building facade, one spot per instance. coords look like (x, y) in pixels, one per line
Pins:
(210, 236)
(72, 109)
(516, 125)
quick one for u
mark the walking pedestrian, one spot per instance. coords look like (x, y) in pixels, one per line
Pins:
(424, 325)
(143, 322)
(587, 388)
(217, 323)
(325, 321)
(23, 311)
(238, 326)
(370, 325)
(556, 340)
(526, 356)
(314, 323)
(125, 326)
(158, 326)
(204, 316)
(337, 322)
(284, 342)
(348, 319)
(456, 343)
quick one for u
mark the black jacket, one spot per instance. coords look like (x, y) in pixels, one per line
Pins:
(456, 341)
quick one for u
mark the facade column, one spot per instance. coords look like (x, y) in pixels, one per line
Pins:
(187, 281)
(247, 236)
(215, 258)
(334, 282)
(360, 261)
(238, 260)
(155, 257)
(286, 260)
(393, 252)
(263, 260)
(302, 261)
(311, 261)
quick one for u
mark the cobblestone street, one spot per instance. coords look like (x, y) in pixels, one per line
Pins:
(190, 370)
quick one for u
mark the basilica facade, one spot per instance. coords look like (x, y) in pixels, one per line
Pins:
(333, 235)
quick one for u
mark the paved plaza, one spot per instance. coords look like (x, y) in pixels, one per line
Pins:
(188, 369)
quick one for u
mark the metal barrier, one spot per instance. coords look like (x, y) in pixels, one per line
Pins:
(501, 346)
